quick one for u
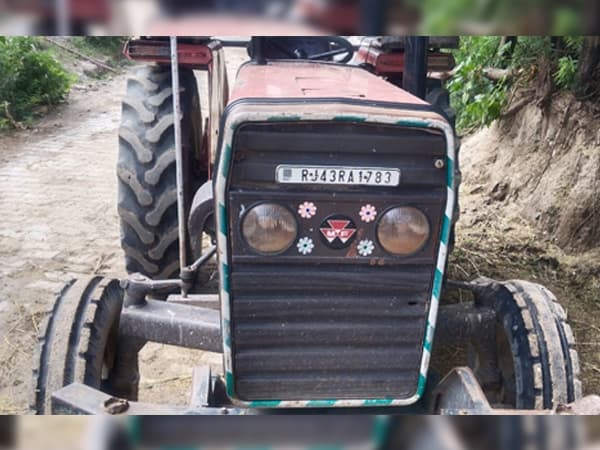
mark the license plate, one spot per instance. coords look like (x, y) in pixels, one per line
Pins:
(352, 176)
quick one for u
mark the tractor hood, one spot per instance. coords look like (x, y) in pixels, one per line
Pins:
(312, 80)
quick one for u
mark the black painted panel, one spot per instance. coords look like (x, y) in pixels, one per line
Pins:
(331, 324)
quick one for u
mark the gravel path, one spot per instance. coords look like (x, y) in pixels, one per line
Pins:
(57, 197)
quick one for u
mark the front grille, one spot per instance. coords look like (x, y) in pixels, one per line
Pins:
(332, 324)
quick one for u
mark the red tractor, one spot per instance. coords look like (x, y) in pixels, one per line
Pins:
(326, 185)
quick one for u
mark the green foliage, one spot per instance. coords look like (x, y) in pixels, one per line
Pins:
(478, 100)
(574, 44)
(530, 49)
(29, 78)
(564, 77)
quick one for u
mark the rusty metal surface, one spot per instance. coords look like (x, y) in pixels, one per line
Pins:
(192, 55)
(290, 79)
(384, 63)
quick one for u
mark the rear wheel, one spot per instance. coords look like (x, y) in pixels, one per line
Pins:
(78, 340)
(146, 168)
(536, 357)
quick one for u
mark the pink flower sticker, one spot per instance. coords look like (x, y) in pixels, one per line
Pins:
(307, 210)
(368, 213)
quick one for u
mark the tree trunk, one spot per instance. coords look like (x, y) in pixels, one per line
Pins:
(589, 63)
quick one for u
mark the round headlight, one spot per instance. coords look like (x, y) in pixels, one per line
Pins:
(269, 228)
(403, 231)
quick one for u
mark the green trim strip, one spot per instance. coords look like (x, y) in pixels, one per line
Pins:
(320, 403)
(412, 123)
(450, 172)
(428, 342)
(229, 383)
(422, 384)
(265, 404)
(445, 230)
(437, 284)
(378, 402)
(226, 285)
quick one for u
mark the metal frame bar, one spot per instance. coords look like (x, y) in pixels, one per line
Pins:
(172, 324)
(414, 79)
(181, 219)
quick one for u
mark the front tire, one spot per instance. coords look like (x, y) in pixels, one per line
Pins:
(536, 355)
(78, 340)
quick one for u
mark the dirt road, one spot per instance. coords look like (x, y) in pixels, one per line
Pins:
(57, 191)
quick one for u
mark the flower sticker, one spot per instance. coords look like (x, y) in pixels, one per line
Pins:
(367, 213)
(365, 247)
(307, 210)
(305, 245)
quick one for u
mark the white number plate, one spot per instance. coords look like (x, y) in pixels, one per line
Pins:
(363, 176)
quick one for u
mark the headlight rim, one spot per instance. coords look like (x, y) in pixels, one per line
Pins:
(255, 205)
(420, 248)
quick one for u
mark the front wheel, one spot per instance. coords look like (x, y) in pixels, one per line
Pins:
(535, 347)
(79, 339)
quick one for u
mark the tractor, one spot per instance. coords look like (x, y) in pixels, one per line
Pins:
(322, 194)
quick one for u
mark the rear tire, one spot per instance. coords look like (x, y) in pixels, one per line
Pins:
(78, 340)
(146, 168)
(536, 353)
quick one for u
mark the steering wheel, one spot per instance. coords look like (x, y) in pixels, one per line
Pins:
(313, 48)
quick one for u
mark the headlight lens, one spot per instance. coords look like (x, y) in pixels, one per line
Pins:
(269, 228)
(403, 230)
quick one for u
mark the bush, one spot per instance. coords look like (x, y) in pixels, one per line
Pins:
(477, 100)
(30, 77)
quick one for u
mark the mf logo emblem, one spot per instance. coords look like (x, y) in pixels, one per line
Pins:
(338, 231)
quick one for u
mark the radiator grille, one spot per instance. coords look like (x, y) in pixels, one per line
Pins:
(331, 325)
